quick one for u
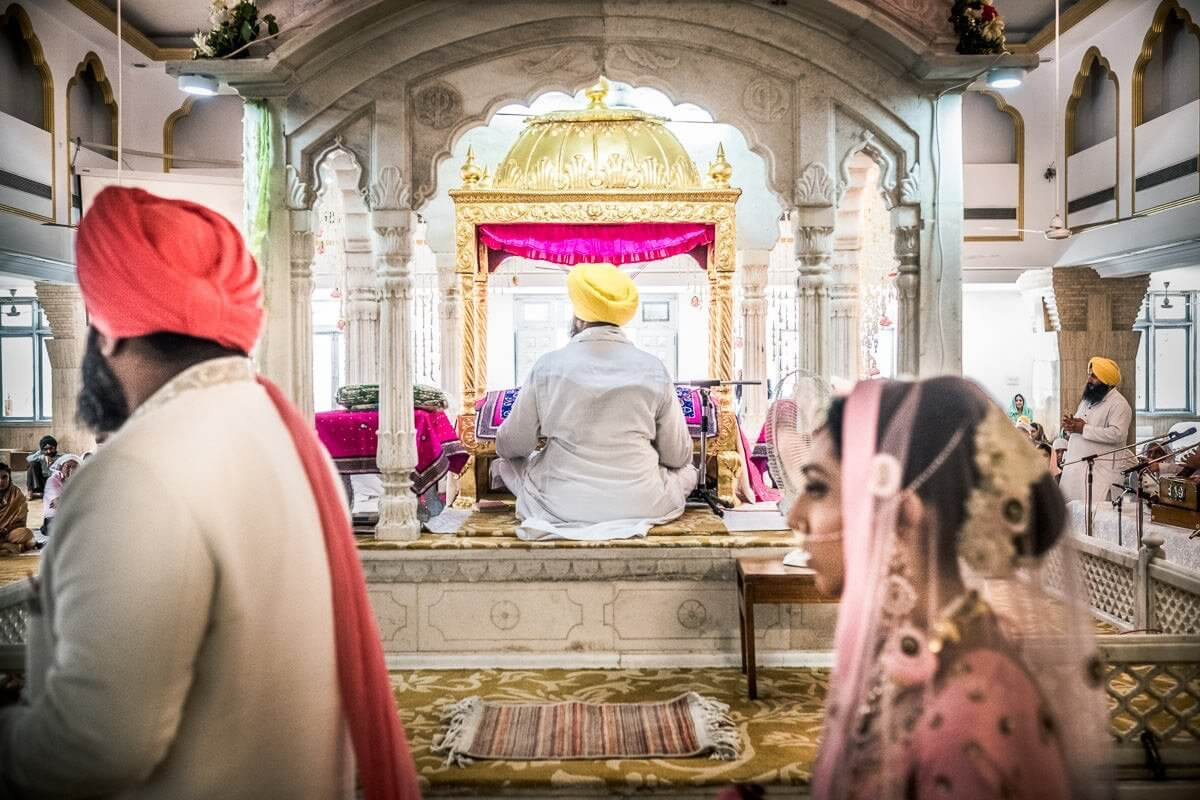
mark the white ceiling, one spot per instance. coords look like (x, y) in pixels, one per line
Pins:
(172, 22)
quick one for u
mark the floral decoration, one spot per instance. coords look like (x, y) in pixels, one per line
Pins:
(979, 26)
(233, 27)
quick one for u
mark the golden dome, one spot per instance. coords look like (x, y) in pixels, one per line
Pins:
(597, 148)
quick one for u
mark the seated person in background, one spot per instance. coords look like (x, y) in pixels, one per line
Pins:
(1059, 447)
(39, 466)
(60, 473)
(1037, 433)
(15, 537)
(618, 456)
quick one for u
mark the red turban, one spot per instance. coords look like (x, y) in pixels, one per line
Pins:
(147, 264)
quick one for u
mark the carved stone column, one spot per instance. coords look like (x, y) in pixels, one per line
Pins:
(301, 243)
(813, 234)
(362, 317)
(449, 322)
(843, 331)
(754, 333)
(68, 322)
(908, 297)
(1095, 318)
(391, 220)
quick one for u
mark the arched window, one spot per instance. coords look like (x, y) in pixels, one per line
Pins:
(27, 91)
(1166, 111)
(1091, 142)
(26, 119)
(91, 119)
(204, 128)
(993, 135)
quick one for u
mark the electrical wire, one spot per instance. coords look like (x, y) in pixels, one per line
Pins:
(120, 96)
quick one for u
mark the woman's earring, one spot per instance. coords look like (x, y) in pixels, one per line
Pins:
(907, 659)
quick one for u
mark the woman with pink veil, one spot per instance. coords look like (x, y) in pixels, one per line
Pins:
(957, 673)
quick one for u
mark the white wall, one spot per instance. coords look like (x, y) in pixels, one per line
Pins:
(998, 341)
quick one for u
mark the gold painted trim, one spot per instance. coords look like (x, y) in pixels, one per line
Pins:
(15, 11)
(107, 18)
(1019, 140)
(1165, 10)
(1069, 19)
(1090, 59)
(169, 131)
(97, 66)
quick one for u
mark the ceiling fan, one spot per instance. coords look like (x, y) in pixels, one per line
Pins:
(1057, 230)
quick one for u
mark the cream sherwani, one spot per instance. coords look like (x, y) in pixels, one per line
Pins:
(184, 643)
(618, 455)
(1106, 428)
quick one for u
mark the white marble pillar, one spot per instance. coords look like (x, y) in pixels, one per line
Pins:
(449, 329)
(68, 322)
(908, 300)
(301, 243)
(362, 317)
(754, 335)
(392, 220)
(843, 331)
(814, 256)
(812, 227)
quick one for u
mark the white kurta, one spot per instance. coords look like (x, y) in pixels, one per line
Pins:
(184, 644)
(1107, 427)
(618, 455)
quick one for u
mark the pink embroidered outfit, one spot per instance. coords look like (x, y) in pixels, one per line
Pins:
(956, 674)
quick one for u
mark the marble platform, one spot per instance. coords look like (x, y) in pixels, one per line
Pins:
(483, 598)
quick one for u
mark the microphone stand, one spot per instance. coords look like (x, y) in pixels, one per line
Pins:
(1091, 461)
(702, 494)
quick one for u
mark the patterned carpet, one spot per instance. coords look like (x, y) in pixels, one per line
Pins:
(779, 731)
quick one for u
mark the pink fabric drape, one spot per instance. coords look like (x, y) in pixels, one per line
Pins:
(632, 243)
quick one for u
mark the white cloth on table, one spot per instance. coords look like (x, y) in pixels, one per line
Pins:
(1106, 428)
(618, 455)
(184, 645)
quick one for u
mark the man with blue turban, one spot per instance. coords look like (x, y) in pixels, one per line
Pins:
(618, 456)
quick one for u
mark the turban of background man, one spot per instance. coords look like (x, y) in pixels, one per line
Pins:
(1106, 370)
(148, 264)
(602, 293)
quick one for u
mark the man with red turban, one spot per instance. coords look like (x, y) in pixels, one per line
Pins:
(195, 635)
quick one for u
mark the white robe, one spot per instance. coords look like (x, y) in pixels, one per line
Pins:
(618, 455)
(1107, 428)
(184, 645)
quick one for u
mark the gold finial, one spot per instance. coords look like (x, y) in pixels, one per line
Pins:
(597, 93)
(472, 174)
(720, 170)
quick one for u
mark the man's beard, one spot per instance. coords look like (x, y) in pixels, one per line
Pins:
(1095, 392)
(102, 406)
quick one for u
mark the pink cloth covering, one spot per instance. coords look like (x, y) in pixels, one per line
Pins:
(631, 243)
(352, 434)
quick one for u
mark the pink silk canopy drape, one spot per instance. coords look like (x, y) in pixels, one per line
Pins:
(571, 244)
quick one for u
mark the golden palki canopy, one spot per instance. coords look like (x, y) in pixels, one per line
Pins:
(595, 149)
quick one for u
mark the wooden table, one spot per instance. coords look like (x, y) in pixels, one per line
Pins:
(767, 580)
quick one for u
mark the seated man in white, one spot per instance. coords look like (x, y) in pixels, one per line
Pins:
(618, 455)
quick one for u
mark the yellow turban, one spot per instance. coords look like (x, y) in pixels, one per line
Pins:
(602, 293)
(1106, 370)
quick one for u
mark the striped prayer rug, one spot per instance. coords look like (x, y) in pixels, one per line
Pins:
(689, 725)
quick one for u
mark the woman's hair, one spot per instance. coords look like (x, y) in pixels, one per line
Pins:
(946, 404)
